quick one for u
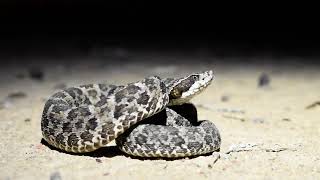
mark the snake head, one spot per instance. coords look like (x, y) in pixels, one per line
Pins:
(183, 89)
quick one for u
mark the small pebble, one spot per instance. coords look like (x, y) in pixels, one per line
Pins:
(225, 98)
(27, 120)
(258, 120)
(36, 73)
(286, 119)
(17, 95)
(98, 161)
(55, 176)
(264, 80)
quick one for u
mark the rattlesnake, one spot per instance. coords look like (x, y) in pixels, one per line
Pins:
(84, 118)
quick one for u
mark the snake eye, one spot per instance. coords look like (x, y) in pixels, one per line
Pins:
(195, 77)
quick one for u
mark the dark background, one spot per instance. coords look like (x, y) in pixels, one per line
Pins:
(65, 28)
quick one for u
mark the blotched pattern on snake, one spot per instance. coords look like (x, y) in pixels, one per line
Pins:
(86, 117)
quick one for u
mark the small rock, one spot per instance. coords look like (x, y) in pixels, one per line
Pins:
(286, 119)
(258, 120)
(313, 105)
(106, 174)
(225, 98)
(27, 120)
(36, 73)
(55, 176)
(17, 95)
(98, 161)
(264, 80)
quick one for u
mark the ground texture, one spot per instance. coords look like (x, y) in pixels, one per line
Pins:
(269, 131)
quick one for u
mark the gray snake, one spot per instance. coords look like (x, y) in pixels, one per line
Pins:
(84, 118)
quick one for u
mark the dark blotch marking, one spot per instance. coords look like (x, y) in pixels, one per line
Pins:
(44, 122)
(132, 89)
(51, 131)
(141, 139)
(84, 111)
(67, 127)
(118, 110)
(72, 114)
(143, 99)
(178, 141)
(60, 138)
(54, 121)
(163, 88)
(194, 145)
(91, 124)
(113, 88)
(89, 148)
(59, 108)
(86, 136)
(120, 95)
(132, 109)
(104, 141)
(107, 128)
(73, 92)
(103, 101)
(79, 124)
(208, 139)
(111, 137)
(86, 101)
(73, 140)
(76, 112)
(149, 81)
(82, 148)
(96, 144)
(56, 102)
(92, 92)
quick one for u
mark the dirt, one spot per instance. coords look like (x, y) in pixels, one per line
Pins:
(267, 131)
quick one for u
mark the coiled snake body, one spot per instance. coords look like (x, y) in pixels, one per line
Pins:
(84, 118)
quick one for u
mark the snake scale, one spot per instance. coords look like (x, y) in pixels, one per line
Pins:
(84, 118)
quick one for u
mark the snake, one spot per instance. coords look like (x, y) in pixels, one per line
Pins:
(138, 115)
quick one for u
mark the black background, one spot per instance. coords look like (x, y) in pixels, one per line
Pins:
(33, 28)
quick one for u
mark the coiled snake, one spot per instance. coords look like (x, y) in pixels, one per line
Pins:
(86, 117)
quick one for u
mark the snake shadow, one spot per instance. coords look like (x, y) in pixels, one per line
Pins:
(109, 151)
(188, 111)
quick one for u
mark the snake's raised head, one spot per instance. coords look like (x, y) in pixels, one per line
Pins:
(183, 89)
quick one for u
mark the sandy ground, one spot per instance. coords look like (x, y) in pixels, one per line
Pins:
(272, 133)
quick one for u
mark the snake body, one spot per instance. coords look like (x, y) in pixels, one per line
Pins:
(84, 118)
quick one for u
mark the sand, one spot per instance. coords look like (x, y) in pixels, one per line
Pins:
(273, 134)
